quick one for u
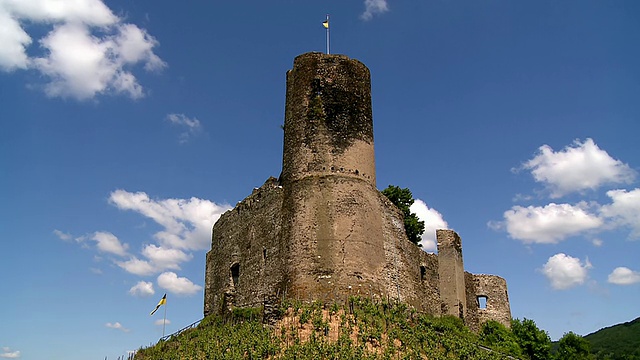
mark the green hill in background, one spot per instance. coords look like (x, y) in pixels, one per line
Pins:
(617, 342)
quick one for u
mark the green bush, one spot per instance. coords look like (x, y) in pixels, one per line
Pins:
(403, 199)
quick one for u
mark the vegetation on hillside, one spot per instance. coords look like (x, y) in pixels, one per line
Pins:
(360, 330)
(363, 329)
(500, 338)
(573, 347)
(403, 199)
(618, 342)
(534, 342)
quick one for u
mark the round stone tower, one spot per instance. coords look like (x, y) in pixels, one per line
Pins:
(331, 224)
(328, 123)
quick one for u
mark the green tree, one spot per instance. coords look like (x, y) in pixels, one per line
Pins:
(573, 347)
(499, 338)
(534, 342)
(403, 199)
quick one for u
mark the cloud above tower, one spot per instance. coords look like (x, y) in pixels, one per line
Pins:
(578, 167)
(564, 271)
(87, 50)
(433, 221)
(374, 7)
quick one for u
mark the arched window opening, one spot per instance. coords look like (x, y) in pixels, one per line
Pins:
(235, 273)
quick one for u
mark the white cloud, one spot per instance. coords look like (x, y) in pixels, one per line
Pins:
(159, 259)
(549, 224)
(14, 40)
(136, 45)
(193, 126)
(161, 322)
(624, 210)
(578, 167)
(177, 285)
(597, 242)
(624, 276)
(164, 258)
(565, 271)
(8, 354)
(187, 223)
(89, 51)
(373, 7)
(116, 326)
(433, 220)
(137, 266)
(109, 243)
(142, 289)
(90, 12)
(62, 235)
(522, 197)
(81, 65)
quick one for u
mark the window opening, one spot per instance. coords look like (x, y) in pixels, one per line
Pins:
(482, 302)
(235, 273)
(423, 273)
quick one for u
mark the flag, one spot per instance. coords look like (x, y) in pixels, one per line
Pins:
(162, 302)
(325, 24)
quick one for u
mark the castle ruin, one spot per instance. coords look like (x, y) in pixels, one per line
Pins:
(323, 231)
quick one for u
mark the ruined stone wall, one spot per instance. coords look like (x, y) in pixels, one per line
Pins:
(493, 289)
(246, 261)
(411, 275)
(451, 274)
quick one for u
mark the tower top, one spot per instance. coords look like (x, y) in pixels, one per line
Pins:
(328, 121)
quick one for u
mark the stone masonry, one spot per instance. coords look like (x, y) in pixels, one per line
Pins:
(323, 231)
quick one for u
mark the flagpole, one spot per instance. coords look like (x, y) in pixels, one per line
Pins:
(164, 322)
(328, 34)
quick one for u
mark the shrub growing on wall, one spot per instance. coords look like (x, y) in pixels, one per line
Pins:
(403, 199)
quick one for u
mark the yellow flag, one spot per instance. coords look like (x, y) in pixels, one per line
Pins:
(325, 24)
(162, 302)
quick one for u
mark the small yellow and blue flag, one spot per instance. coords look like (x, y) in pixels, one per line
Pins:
(163, 301)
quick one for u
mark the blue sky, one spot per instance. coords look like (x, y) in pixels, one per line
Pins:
(128, 127)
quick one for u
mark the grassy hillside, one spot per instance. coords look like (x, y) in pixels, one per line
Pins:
(360, 330)
(618, 342)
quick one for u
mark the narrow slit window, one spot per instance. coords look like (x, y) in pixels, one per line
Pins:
(482, 302)
(423, 273)
(235, 273)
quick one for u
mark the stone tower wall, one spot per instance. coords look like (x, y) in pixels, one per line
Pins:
(333, 227)
(328, 120)
(451, 273)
